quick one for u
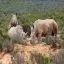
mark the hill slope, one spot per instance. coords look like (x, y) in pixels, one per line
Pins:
(30, 5)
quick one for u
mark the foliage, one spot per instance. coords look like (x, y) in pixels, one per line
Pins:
(27, 19)
(59, 58)
(41, 59)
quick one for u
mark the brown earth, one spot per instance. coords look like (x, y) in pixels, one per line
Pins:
(43, 49)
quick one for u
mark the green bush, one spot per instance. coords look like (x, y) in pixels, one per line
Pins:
(41, 59)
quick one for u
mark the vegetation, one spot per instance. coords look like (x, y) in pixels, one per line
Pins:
(27, 19)
(27, 12)
(41, 59)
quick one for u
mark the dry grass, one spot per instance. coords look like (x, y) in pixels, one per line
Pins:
(28, 51)
(39, 48)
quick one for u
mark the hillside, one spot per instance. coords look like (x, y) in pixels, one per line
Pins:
(27, 12)
(24, 6)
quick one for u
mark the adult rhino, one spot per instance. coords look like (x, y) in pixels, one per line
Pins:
(14, 22)
(45, 27)
(15, 31)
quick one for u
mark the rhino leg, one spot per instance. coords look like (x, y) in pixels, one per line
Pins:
(39, 37)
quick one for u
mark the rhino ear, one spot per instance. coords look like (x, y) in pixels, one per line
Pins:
(13, 15)
(32, 29)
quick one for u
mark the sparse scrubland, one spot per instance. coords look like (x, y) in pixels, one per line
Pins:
(34, 54)
(27, 12)
(27, 19)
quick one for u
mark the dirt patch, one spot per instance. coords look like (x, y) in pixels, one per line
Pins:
(39, 48)
(27, 50)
